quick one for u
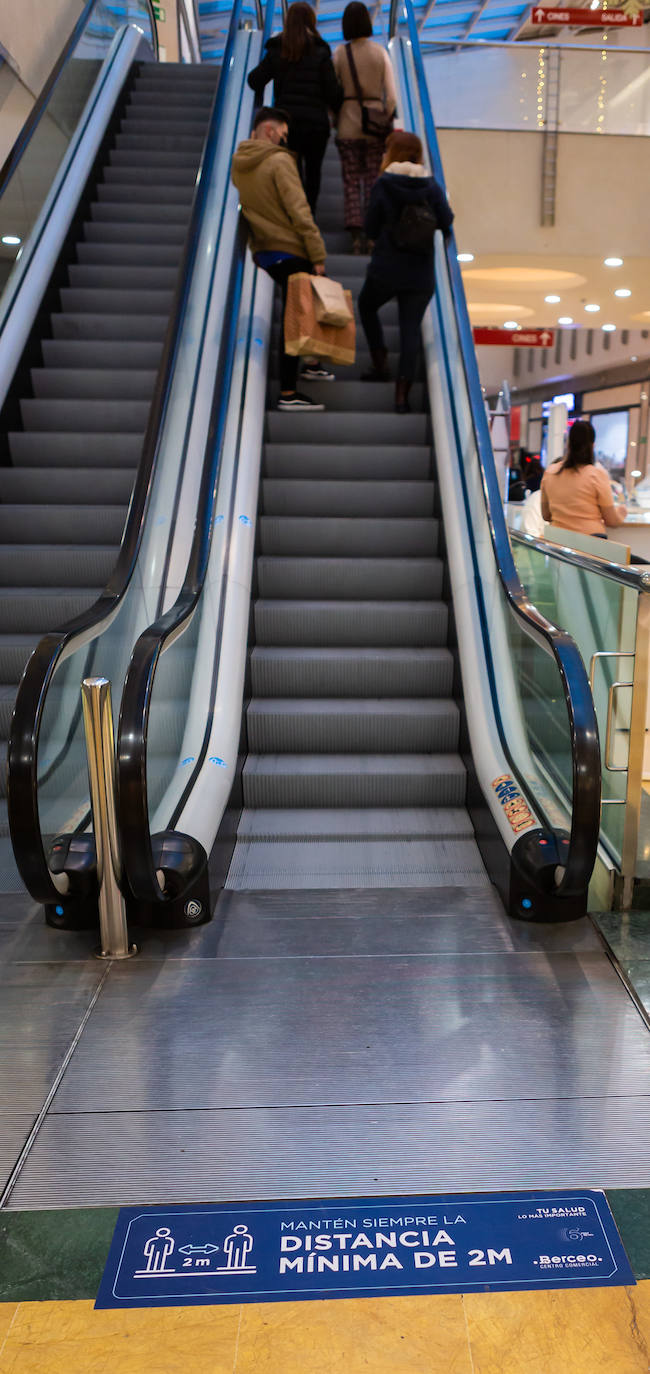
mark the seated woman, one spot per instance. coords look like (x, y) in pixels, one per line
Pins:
(576, 492)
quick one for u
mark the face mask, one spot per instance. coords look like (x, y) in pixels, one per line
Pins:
(283, 142)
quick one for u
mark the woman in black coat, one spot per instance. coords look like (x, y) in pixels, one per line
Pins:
(395, 269)
(299, 63)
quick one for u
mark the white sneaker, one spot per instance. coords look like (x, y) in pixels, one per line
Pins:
(297, 401)
(316, 372)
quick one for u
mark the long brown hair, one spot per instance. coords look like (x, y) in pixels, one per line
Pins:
(580, 446)
(299, 30)
(401, 147)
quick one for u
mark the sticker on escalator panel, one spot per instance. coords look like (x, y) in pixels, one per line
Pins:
(514, 804)
(362, 1247)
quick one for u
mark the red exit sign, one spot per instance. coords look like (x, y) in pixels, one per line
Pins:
(519, 338)
(571, 18)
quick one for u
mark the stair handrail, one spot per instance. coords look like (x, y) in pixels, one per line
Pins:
(23, 814)
(585, 745)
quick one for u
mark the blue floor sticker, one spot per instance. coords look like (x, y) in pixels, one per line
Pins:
(361, 1247)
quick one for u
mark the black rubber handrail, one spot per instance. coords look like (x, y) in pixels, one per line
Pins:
(585, 745)
(24, 823)
(38, 109)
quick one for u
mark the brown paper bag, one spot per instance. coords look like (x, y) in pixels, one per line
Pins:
(304, 336)
(331, 305)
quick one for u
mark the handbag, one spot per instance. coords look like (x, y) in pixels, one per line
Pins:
(375, 123)
(305, 336)
(330, 304)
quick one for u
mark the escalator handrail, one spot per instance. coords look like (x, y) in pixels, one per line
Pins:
(31, 699)
(634, 578)
(39, 108)
(585, 746)
(132, 796)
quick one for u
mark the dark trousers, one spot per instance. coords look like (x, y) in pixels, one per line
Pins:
(309, 146)
(411, 306)
(281, 271)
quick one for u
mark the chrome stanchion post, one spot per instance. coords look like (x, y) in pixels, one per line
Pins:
(98, 726)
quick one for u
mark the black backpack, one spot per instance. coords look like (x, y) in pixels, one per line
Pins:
(415, 228)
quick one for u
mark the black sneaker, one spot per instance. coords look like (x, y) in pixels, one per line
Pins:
(296, 401)
(315, 372)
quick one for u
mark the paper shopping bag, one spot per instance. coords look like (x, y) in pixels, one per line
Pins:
(304, 336)
(331, 305)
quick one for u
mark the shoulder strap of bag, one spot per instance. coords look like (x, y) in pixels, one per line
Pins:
(354, 74)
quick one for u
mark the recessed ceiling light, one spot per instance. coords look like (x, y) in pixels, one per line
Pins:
(552, 300)
(465, 257)
(608, 328)
(595, 5)
(592, 309)
(623, 291)
(510, 324)
(633, 358)
(11, 239)
(565, 319)
(613, 262)
(636, 472)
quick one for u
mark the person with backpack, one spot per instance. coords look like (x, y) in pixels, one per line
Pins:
(299, 63)
(406, 207)
(366, 115)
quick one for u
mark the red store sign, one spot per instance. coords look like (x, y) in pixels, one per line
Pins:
(571, 18)
(519, 338)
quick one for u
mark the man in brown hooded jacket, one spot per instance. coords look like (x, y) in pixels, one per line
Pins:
(284, 238)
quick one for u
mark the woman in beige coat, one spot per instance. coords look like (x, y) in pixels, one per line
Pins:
(361, 153)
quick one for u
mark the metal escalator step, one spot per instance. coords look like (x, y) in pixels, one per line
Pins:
(148, 196)
(346, 428)
(345, 672)
(101, 353)
(37, 609)
(47, 524)
(7, 703)
(292, 535)
(73, 485)
(365, 462)
(123, 276)
(88, 383)
(334, 823)
(24, 565)
(136, 144)
(295, 496)
(339, 725)
(38, 449)
(149, 126)
(333, 780)
(126, 232)
(104, 417)
(365, 863)
(123, 211)
(121, 171)
(414, 623)
(111, 301)
(15, 649)
(194, 101)
(399, 579)
(126, 326)
(93, 254)
(359, 397)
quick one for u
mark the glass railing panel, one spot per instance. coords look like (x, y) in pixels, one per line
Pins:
(28, 186)
(601, 616)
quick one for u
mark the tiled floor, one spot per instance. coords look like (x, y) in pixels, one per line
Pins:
(588, 1331)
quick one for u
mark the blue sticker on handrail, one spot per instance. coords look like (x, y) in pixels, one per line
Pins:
(361, 1247)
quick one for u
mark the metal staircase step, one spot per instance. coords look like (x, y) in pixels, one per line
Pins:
(112, 301)
(97, 254)
(360, 462)
(48, 524)
(302, 671)
(30, 610)
(345, 427)
(105, 211)
(123, 276)
(358, 780)
(164, 143)
(297, 496)
(48, 564)
(89, 383)
(36, 450)
(413, 623)
(338, 823)
(125, 232)
(144, 172)
(105, 417)
(126, 326)
(80, 354)
(338, 725)
(15, 649)
(292, 535)
(144, 193)
(399, 579)
(73, 486)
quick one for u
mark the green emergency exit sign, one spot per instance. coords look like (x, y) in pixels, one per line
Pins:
(159, 13)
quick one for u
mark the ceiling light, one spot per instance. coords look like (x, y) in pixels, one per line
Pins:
(510, 324)
(565, 319)
(465, 257)
(595, 4)
(11, 239)
(592, 309)
(633, 358)
(636, 472)
(623, 291)
(608, 328)
(613, 262)
(552, 300)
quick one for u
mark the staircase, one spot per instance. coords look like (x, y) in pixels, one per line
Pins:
(73, 434)
(353, 776)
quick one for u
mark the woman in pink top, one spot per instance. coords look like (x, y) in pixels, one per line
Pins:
(576, 492)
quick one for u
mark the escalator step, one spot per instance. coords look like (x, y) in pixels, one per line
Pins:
(98, 254)
(104, 417)
(36, 450)
(340, 725)
(343, 672)
(297, 496)
(148, 125)
(367, 623)
(144, 194)
(72, 324)
(115, 302)
(47, 524)
(15, 649)
(172, 159)
(324, 780)
(35, 610)
(134, 231)
(123, 276)
(29, 565)
(348, 428)
(367, 462)
(74, 486)
(399, 579)
(101, 353)
(293, 535)
(140, 172)
(194, 100)
(89, 383)
(125, 210)
(163, 143)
